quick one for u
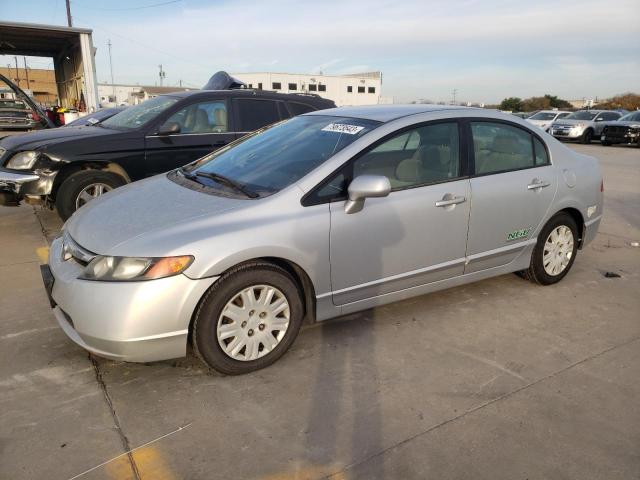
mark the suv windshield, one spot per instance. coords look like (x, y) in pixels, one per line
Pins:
(275, 157)
(138, 115)
(543, 116)
(630, 117)
(581, 115)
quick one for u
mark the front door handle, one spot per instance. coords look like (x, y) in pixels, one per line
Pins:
(449, 199)
(535, 184)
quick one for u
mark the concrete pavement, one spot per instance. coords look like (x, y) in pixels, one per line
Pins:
(499, 379)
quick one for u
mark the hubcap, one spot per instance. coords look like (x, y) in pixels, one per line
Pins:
(90, 192)
(253, 322)
(558, 250)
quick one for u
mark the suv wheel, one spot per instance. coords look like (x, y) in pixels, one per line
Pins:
(587, 136)
(82, 187)
(555, 251)
(248, 319)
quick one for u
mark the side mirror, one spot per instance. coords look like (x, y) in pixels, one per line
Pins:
(169, 128)
(366, 186)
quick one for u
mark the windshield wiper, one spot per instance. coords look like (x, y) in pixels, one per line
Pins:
(221, 179)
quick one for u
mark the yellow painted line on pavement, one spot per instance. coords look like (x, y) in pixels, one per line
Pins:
(152, 465)
(307, 472)
(43, 254)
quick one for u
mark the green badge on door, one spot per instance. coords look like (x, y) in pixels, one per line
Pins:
(518, 234)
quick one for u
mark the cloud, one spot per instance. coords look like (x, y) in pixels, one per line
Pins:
(487, 50)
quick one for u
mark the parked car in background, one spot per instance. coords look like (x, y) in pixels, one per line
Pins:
(18, 110)
(583, 125)
(95, 117)
(625, 130)
(15, 115)
(68, 167)
(328, 213)
(544, 118)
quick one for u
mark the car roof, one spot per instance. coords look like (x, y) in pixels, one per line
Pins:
(386, 113)
(249, 92)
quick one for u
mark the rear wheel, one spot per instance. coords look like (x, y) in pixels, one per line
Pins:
(81, 187)
(587, 136)
(555, 251)
(248, 319)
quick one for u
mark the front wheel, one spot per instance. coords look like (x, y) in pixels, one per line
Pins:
(555, 251)
(82, 187)
(587, 136)
(248, 319)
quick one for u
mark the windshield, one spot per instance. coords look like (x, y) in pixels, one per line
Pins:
(543, 116)
(631, 117)
(138, 115)
(273, 158)
(582, 115)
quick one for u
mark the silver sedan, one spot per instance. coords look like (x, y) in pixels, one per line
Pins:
(322, 215)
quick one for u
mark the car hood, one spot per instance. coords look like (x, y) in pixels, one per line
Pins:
(40, 139)
(624, 124)
(572, 122)
(540, 122)
(157, 204)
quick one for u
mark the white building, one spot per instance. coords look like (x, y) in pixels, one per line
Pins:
(354, 89)
(120, 94)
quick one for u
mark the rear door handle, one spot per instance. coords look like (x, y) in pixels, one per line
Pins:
(445, 202)
(537, 184)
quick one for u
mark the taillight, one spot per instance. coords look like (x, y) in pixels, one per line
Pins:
(602, 185)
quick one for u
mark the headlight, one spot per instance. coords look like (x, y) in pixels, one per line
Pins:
(23, 160)
(128, 269)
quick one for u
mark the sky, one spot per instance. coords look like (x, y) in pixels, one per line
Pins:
(484, 49)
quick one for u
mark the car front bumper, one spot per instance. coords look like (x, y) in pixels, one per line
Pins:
(129, 321)
(571, 134)
(15, 185)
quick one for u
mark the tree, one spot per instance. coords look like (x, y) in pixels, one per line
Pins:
(555, 102)
(627, 101)
(536, 103)
(513, 104)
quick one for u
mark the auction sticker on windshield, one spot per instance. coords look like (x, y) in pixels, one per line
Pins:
(343, 128)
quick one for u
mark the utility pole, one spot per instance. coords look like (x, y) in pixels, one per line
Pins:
(455, 91)
(113, 85)
(69, 13)
(17, 73)
(162, 74)
(26, 72)
(180, 83)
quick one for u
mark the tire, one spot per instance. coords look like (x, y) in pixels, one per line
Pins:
(587, 136)
(67, 197)
(253, 354)
(537, 272)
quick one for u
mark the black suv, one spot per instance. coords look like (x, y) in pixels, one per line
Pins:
(67, 167)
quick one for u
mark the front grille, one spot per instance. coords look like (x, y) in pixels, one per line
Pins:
(615, 129)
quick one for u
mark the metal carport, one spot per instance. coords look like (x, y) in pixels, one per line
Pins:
(72, 52)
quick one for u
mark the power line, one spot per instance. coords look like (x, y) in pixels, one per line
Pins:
(97, 27)
(131, 8)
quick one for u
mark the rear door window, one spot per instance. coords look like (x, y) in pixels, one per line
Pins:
(254, 114)
(499, 147)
